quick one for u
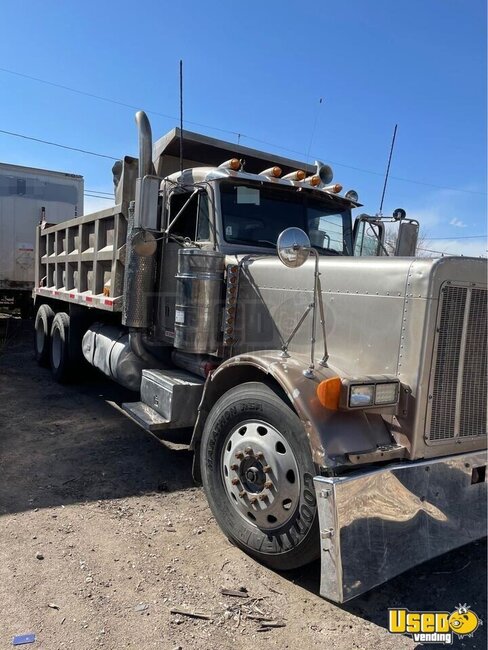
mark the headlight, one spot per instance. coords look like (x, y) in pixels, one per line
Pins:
(386, 393)
(361, 395)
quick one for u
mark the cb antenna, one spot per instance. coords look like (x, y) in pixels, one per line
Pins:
(181, 115)
(388, 169)
(314, 127)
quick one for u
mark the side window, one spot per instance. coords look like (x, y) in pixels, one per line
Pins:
(368, 238)
(203, 229)
(186, 225)
(194, 221)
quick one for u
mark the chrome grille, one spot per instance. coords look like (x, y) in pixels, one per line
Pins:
(473, 407)
(459, 385)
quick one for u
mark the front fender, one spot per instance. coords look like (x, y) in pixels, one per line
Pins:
(331, 434)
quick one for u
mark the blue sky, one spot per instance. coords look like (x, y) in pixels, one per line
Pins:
(259, 69)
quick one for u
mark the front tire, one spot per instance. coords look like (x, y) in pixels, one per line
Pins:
(257, 472)
(60, 357)
(42, 334)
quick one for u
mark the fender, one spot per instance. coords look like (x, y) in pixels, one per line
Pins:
(331, 434)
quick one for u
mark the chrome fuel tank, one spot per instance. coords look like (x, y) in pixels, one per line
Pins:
(199, 290)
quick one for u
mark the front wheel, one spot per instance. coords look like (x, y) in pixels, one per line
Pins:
(257, 472)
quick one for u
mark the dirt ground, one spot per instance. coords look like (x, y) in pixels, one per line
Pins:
(125, 537)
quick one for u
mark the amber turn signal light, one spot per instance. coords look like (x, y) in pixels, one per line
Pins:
(329, 392)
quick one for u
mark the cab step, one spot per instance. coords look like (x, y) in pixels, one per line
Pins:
(169, 400)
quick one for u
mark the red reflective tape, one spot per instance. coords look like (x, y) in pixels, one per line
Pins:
(56, 293)
(108, 302)
(88, 299)
(72, 296)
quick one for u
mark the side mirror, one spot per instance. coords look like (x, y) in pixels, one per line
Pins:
(293, 247)
(408, 233)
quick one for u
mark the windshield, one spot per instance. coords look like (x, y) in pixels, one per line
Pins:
(255, 216)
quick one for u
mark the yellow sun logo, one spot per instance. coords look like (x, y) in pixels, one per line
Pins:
(463, 621)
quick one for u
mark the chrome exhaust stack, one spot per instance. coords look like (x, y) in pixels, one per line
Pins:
(140, 262)
(145, 144)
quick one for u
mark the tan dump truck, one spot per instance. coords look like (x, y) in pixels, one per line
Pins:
(337, 399)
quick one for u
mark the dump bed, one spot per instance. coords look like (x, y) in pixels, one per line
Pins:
(82, 260)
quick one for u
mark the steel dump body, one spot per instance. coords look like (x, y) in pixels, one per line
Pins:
(81, 261)
(183, 314)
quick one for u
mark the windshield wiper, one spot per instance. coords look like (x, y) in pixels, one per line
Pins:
(331, 251)
(251, 242)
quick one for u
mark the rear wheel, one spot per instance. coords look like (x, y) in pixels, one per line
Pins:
(42, 334)
(258, 476)
(60, 357)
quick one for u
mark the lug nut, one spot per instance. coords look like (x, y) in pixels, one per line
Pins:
(267, 469)
(263, 497)
(239, 455)
(242, 493)
(253, 499)
(235, 481)
(268, 485)
(234, 467)
(249, 451)
(259, 455)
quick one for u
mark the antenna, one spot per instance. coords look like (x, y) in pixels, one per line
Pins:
(388, 169)
(314, 127)
(181, 115)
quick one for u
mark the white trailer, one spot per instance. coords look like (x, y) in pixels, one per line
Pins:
(29, 196)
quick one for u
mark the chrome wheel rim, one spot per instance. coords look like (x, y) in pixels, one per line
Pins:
(260, 474)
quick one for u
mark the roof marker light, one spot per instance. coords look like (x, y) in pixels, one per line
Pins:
(234, 164)
(335, 189)
(273, 172)
(313, 180)
(297, 175)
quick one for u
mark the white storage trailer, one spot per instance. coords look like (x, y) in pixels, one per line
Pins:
(29, 196)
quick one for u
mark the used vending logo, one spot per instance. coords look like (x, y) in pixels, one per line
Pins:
(434, 627)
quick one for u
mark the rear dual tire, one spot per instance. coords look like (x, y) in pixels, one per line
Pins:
(42, 334)
(60, 352)
(52, 342)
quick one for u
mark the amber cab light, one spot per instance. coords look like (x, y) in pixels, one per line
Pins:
(335, 189)
(328, 393)
(233, 163)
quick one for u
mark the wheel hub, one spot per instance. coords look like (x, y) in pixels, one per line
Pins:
(260, 474)
(251, 475)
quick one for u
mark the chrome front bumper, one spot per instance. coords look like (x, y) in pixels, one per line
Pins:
(376, 524)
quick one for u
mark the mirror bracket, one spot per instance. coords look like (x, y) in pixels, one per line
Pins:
(294, 249)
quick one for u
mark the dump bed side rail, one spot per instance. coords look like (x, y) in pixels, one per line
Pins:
(82, 260)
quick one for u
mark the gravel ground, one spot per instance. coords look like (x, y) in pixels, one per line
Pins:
(102, 534)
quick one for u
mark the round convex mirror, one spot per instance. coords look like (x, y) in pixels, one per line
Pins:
(293, 247)
(144, 243)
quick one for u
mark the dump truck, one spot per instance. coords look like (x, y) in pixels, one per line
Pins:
(336, 396)
(29, 196)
